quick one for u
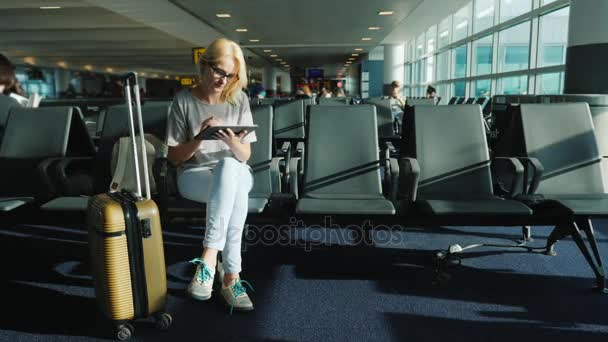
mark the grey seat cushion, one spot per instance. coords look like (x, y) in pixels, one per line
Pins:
(66, 204)
(476, 207)
(10, 203)
(257, 205)
(588, 204)
(345, 206)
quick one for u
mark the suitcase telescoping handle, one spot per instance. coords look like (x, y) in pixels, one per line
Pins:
(131, 83)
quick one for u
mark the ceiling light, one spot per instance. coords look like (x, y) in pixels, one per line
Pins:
(29, 60)
(241, 30)
(142, 73)
(166, 77)
(373, 28)
(283, 62)
(109, 70)
(177, 78)
(62, 64)
(254, 40)
(355, 54)
(385, 13)
(155, 75)
(49, 7)
(88, 67)
(272, 56)
(278, 59)
(267, 50)
(352, 59)
(358, 49)
(223, 15)
(286, 65)
(349, 62)
(366, 38)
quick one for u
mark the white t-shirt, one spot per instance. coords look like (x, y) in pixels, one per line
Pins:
(185, 119)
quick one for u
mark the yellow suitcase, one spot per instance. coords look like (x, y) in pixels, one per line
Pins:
(126, 250)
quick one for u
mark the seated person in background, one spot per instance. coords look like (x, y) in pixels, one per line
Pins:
(8, 80)
(431, 92)
(395, 94)
(325, 92)
(339, 92)
(397, 101)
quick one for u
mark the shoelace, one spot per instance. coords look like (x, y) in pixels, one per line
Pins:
(205, 274)
(238, 289)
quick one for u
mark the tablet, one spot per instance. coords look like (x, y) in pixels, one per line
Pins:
(209, 132)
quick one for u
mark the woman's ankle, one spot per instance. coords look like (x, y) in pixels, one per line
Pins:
(228, 278)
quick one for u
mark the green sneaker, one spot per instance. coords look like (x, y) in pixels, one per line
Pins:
(236, 296)
(201, 285)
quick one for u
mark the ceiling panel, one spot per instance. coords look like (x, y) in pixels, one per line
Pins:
(296, 25)
(127, 34)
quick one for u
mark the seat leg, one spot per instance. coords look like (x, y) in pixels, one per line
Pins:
(527, 234)
(559, 232)
(599, 272)
(585, 225)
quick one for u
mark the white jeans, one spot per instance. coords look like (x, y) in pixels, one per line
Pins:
(225, 189)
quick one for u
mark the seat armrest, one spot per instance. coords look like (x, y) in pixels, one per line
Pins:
(391, 147)
(410, 173)
(46, 175)
(394, 169)
(285, 152)
(286, 147)
(73, 176)
(516, 170)
(294, 169)
(300, 148)
(275, 174)
(531, 166)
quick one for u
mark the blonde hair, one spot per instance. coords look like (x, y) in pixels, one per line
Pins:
(219, 49)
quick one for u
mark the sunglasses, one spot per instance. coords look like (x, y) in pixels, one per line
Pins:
(219, 73)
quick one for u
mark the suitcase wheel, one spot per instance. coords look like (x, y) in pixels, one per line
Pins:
(163, 321)
(124, 331)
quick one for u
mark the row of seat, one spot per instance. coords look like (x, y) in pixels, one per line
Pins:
(444, 174)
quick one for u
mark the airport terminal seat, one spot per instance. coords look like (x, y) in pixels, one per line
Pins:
(421, 102)
(266, 173)
(6, 103)
(342, 169)
(93, 171)
(333, 101)
(386, 122)
(289, 135)
(559, 148)
(34, 139)
(446, 167)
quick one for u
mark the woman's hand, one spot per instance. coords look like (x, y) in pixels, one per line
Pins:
(210, 122)
(229, 137)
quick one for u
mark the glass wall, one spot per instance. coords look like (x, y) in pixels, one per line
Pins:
(485, 48)
(510, 9)
(484, 15)
(553, 38)
(514, 48)
(482, 56)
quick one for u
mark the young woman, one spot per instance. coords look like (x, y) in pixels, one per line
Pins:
(215, 171)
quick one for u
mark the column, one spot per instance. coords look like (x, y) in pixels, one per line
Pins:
(270, 80)
(62, 80)
(394, 60)
(586, 68)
